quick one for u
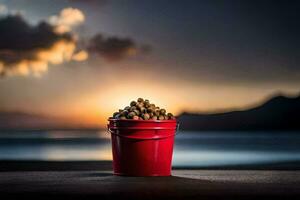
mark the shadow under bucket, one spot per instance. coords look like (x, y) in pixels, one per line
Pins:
(142, 147)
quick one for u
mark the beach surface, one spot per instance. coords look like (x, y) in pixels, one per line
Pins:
(76, 180)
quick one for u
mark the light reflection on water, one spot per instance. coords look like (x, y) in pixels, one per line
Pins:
(191, 148)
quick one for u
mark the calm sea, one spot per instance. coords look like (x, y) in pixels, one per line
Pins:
(192, 149)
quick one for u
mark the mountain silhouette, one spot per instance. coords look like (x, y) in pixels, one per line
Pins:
(278, 113)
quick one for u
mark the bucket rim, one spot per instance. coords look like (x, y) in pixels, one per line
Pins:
(147, 121)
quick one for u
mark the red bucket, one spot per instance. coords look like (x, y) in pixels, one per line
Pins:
(142, 147)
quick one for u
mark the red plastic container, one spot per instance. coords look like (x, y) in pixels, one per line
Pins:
(142, 147)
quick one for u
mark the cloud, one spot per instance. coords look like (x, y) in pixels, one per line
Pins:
(3, 9)
(27, 49)
(67, 19)
(90, 2)
(114, 48)
(80, 56)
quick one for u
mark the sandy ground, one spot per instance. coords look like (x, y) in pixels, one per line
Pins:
(184, 184)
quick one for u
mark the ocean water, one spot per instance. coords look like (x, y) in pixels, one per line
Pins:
(192, 149)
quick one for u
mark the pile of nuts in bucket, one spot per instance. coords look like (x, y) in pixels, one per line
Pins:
(143, 110)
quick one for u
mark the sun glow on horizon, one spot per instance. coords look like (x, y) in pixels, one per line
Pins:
(92, 106)
(99, 106)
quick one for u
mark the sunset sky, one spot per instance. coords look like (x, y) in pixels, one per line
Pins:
(85, 59)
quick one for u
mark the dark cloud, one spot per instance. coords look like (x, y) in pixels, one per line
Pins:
(19, 40)
(28, 49)
(115, 48)
(146, 48)
(90, 2)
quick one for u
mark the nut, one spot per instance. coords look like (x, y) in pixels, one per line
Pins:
(137, 112)
(124, 113)
(161, 117)
(131, 114)
(150, 110)
(147, 103)
(122, 117)
(146, 116)
(154, 117)
(162, 111)
(140, 100)
(127, 108)
(132, 108)
(115, 113)
(136, 117)
(133, 103)
(139, 105)
(142, 110)
(170, 115)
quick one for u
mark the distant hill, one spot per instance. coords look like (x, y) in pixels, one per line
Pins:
(278, 113)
